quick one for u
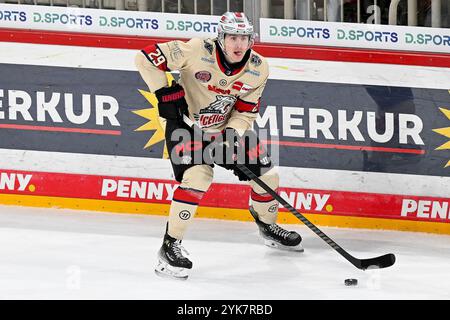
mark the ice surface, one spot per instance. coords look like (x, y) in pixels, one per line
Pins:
(66, 254)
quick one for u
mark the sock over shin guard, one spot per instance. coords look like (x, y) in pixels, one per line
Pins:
(182, 211)
(263, 203)
(196, 181)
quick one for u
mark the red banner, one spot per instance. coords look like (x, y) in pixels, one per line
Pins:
(235, 196)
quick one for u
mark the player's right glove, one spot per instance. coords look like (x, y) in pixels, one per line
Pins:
(232, 147)
(171, 102)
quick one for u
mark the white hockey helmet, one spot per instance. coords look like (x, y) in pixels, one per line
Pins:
(235, 23)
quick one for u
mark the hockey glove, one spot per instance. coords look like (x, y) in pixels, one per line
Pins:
(171, 102)
(233, 152)
(246, 150)
(231, 148)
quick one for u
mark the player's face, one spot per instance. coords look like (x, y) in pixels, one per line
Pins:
(235, 47)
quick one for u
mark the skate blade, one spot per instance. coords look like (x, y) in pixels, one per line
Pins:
(276, 245)
(165, 270)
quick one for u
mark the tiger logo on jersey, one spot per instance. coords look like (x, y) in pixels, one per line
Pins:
(217, 112)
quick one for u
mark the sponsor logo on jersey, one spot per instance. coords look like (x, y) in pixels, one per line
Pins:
(253, 72)
(223, 82)
(255, 60)
(203, 76)
(218, 90)
(217, 112)
(208, 60)
(241, 87)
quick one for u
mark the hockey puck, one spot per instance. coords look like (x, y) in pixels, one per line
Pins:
(351, 282)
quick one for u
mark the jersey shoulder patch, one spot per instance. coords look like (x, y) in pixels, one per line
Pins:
(208, 46)
(257, 66)
(255, 59)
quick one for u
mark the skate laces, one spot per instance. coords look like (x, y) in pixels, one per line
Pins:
(178, 249)
(279, 231)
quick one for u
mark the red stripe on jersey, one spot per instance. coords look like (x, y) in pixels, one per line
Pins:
(189, 196)
(244, 106)
(261, 197)
(238, 85)
(155, 56)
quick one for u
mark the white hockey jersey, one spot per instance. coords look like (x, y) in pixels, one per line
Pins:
(219, 95)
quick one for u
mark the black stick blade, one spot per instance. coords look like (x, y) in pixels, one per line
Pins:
(377, 263)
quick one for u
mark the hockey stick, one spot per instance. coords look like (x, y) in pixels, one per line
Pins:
(384, 261)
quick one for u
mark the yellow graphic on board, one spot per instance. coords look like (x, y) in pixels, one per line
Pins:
(446, 133)
(155, 123)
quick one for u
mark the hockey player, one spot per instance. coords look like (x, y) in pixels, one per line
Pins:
(220, 86)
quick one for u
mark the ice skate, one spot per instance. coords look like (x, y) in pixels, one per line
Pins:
(276, 237)
(171, 261)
